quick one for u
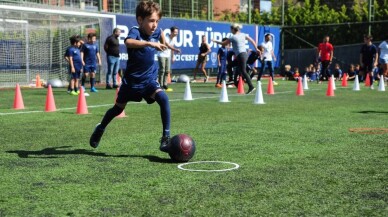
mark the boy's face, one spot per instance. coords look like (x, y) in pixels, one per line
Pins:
(149, 24)
(174, 33)
(92, 40)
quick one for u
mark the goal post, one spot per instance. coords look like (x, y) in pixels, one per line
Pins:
(33, 41)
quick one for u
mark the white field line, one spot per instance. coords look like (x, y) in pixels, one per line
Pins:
(142, 102)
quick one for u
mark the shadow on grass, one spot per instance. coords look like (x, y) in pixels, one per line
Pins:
(54, 152)
(152, 158)
(373, 112)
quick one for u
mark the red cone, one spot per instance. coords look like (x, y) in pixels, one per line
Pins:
(330, 90)
(240, 88)
(270, 89)
(82, 107)
(299, 89)
(18, 100)
(122, 115)
(344, 80)
(50, 102)
(367, 80)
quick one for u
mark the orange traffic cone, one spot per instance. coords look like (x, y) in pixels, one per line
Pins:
(367, 80)
(299, 89)
(168, 78)
(330, 90)
(122, 114)
(270, 89)
(82, 107)
(38, 84)
(344, 80)
(240, 87)
(50, 102)
(18, 100)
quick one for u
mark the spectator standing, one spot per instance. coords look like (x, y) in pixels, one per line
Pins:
(112, 50)
(325, 53)
(383, 60)
(368, 58)
(166, 57)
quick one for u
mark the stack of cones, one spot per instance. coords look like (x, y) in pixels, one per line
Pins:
(50, 102)
(18, 100)
(82, 107)
(224, 93)
(367, 80)
(270, 90)
(344, 80)
(305, 85)
(38, 84)
(259, 94)
(330, 90)
(299, 89)
(188, 95)
(240, 87)
(122, 114)
(381, 83)
(356, 85)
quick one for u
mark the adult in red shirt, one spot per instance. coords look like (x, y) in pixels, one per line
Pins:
(325, 56)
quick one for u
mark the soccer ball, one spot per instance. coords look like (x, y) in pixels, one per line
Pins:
(182, 148)
(183, 78)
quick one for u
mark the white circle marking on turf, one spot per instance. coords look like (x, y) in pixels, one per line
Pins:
(235, 166)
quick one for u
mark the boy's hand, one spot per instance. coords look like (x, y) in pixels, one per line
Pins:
(158, 46)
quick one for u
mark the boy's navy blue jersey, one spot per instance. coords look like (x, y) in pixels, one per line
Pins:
(222, 53)
(368, 53)
(90, 54)
(253, 56)
(141, 66)
(67, 51)
(75, 53)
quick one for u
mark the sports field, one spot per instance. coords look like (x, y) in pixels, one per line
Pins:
(310, 155)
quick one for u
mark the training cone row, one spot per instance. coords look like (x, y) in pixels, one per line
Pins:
(224, 93)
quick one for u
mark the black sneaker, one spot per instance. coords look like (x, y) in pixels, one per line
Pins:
(115, 86)
(108, 87)
(251, 90)
(164, 144)
(96, 136)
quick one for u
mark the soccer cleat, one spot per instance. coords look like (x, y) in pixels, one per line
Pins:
(108, 87)
(73, 93)
(275, 83)
(205, 79)
(164, 144)
(371, 87)
(115, 86)
(93, 89)
(169, 90)
(218, 85)
(251, 90)
(96, 136)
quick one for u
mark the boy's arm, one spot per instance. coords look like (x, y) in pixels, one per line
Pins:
(99, 58)
(133, 43)
(71, 64)
(163, 41)
(82, 58)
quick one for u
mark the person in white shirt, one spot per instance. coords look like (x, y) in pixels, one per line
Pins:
(268, 56)
(383, 60)
(166, 57)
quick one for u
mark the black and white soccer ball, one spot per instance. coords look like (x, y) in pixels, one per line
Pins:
(183, 78)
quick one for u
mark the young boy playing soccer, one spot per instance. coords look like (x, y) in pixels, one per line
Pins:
(140, 77)
(221, 57)
(75, 63)
(90, 57)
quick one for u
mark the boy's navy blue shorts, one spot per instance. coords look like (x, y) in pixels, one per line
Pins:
(76, 75)
(90, 68)
(136, 93)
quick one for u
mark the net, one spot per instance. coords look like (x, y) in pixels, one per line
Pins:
(33, 41)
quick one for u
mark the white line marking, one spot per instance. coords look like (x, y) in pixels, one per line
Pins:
(235, 166)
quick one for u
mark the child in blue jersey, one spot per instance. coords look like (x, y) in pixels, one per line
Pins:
(66, 56)
(75, 64)
(140, 77)
(253, 56)
(221, 57)
(90, 58)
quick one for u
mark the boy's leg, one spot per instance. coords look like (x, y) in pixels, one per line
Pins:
(109, 72)
(162, 99)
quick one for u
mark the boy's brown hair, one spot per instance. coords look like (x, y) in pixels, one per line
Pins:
(147, 8)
